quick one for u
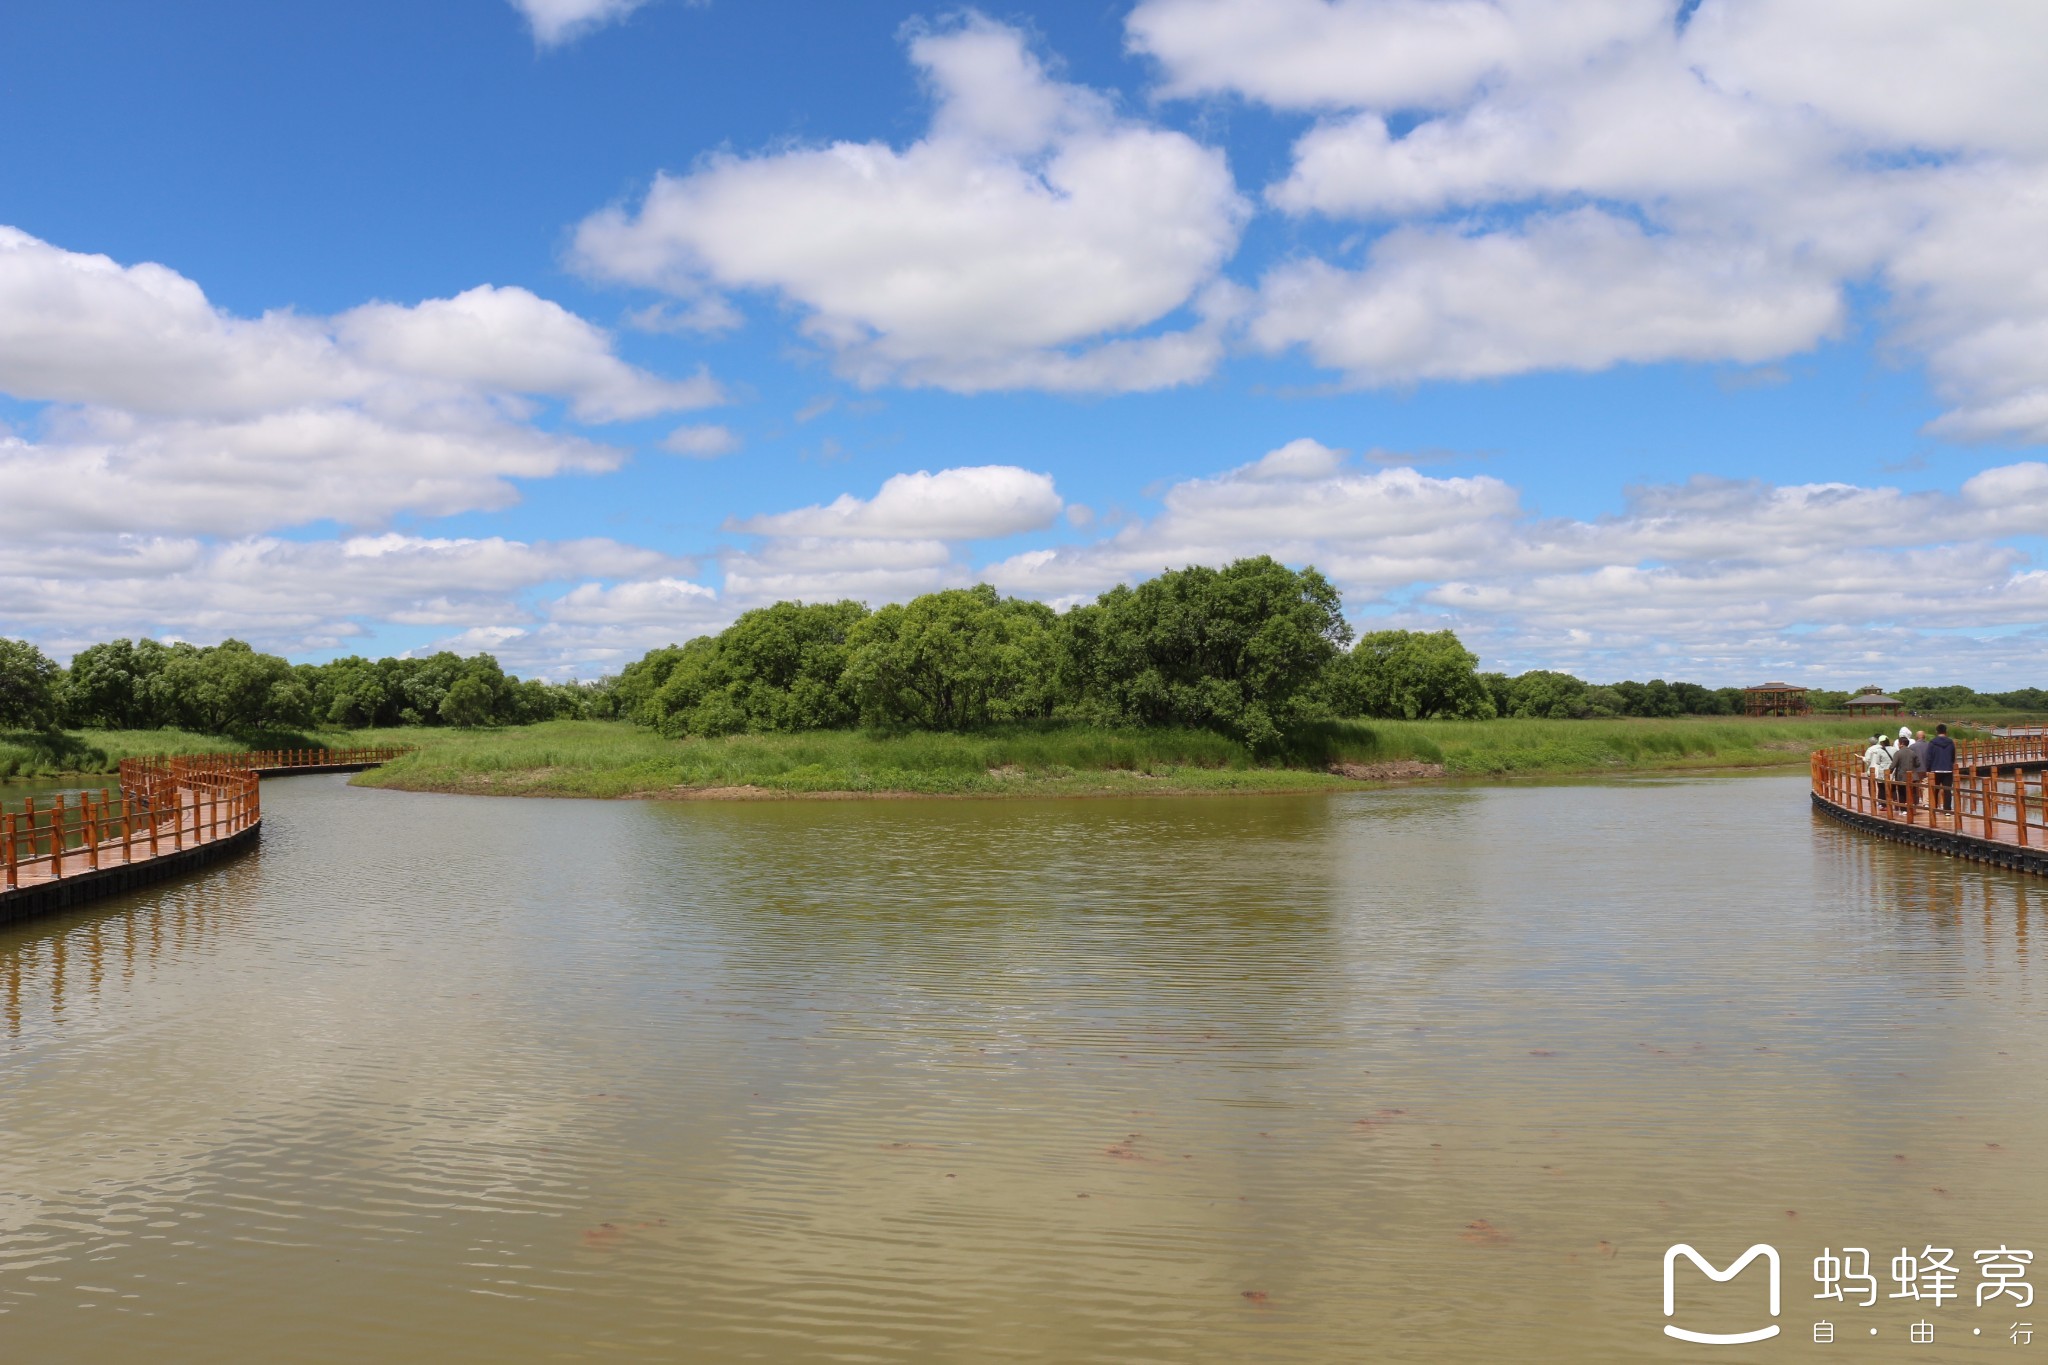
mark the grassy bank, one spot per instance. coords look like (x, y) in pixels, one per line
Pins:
(29, 753)
(585, 758)
(1495, 748)
(594, 758)
(611, 759)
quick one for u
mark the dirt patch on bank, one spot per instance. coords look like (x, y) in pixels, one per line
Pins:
(1397, 770)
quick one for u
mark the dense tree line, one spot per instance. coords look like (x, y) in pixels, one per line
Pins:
(1243, 649)
(1250, 650)
(1960, 698)
(230, 688)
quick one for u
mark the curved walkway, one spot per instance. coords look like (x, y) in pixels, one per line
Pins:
(169, 816)
(1996, 811)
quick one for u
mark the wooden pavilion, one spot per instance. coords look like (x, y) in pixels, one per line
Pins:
(1872, 701)
(1775, 699)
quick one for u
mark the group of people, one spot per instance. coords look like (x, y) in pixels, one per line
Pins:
(1899, 765)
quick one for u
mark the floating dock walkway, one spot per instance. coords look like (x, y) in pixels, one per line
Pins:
(1995, 811)
(170, 816)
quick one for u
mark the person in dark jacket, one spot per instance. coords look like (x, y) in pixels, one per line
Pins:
(1941, 761)
(1909, 768)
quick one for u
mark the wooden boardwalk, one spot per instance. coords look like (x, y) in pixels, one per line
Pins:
(1994, 810)
(169, 815)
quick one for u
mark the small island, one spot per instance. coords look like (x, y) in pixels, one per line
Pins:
(1246, 678)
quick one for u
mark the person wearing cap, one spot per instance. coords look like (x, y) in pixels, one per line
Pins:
(1941, 761)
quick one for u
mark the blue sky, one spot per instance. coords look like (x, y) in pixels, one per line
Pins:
(565, 328)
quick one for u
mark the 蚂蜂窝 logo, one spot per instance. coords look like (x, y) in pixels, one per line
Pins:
(1767, 1252)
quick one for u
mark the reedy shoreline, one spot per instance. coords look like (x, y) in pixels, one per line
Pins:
(610, 759)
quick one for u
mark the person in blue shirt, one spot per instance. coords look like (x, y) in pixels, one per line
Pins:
(1941, 761)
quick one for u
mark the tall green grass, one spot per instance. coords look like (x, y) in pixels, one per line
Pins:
(595, 758)
(1510, 747)
(606, 758)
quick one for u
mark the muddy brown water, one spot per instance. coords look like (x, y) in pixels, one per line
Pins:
(1433, 1074)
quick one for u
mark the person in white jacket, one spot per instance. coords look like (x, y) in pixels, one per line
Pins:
(1878, 758)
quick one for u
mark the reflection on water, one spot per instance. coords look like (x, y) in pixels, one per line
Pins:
(14, 791)
(1432, 1074)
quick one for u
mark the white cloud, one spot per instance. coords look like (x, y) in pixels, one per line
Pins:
(171, 415)
(83, 329)
(667, 602)
(1020, 243)
(511, 341)
(110, 471)
(1580, 290)
(1879, 68)
(555, 22)
(974, 503)
(814, 569)
(1301, 458)
(701, 442)
(286, 595)
(1710, 580)
(1743, 170)
(1320, 54)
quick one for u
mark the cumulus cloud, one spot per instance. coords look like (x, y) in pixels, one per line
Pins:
(817, 569)
(1615, 182)
(974, 503)
(1581, 290)
(1302, 502)
(1024, 242)
(1404, 54)
(555, 22)
(1709, 579)
(168, 414)
(667, 602)
(513, 341)
(287, 595)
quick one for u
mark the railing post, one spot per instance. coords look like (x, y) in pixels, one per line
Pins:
(89, 822)
(7, 833)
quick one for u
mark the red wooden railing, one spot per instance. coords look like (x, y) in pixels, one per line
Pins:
(1991, 796)
(163, 806)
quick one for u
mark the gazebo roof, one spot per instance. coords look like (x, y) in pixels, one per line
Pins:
(1874, 699)
(1775, 687)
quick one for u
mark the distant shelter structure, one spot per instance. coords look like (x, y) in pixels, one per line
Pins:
(1871, 701)
(1775, 699)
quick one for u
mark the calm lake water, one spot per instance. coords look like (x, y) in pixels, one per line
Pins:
(1416, 1075)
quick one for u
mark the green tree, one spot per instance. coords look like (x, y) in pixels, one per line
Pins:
(224, 688)
(351, 692)
(2024, 699)
(1543, 695)
(776, 669)
(467, 702)
(632, 693)
(112, 685)
(1954, 697)
(28, 686)
(1412, 675)
(956, 660)
(1653, 698)
(1500, 690)
(1241, 649)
